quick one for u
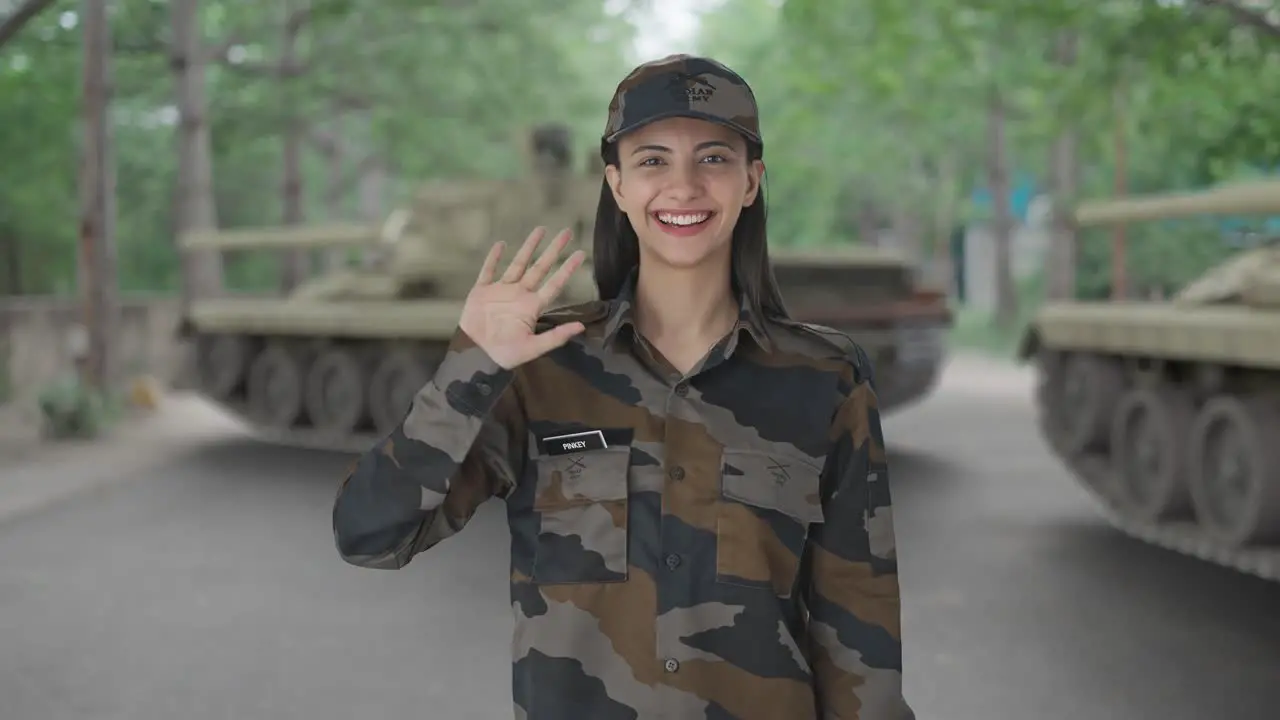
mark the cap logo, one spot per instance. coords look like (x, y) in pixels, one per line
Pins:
(684, 87)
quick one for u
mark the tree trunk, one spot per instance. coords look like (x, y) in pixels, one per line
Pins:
(195, 202)
(372, 190)
(1001, 215)
(98, 273)
(905, 228)
(21, 15)
(296, 262)
(904, 215)
(944, 221)
(868, 221)
(1064, 185)
(335, 189)
(12, 254)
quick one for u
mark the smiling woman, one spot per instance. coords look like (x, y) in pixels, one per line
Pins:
(688, 180)
(696, 485)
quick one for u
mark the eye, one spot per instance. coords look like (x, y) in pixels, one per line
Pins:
(650, 162)
(715, 159)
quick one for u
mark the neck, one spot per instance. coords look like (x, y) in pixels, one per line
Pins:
(680, 305)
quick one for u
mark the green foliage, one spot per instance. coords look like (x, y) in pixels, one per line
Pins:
(434, 90)
(70, 409)
(975, 330)
(1161, 257)
(864, 103)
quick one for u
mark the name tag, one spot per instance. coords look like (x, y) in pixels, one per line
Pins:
(575, 442)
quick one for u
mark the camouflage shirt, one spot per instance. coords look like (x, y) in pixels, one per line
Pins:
(721, 548)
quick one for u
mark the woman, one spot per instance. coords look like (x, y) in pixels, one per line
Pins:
(695, 484)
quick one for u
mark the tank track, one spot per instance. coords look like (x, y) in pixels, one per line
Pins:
(1183, 536)
(1094, 472)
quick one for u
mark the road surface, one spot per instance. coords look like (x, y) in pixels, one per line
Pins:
(199, 581)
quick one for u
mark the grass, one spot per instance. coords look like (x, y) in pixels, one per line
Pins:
(976, 331)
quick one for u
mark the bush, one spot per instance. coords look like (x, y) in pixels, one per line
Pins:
(71, 409)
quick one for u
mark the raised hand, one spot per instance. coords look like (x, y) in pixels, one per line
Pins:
(500, 316)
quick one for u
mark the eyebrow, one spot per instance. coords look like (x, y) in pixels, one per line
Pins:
(701, 146)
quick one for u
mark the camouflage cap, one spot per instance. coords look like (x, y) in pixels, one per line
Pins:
(682, 86)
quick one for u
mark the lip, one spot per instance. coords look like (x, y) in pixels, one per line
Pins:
(684, 211)
(682, 230)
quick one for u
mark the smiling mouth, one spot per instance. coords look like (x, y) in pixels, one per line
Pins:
(686, 219)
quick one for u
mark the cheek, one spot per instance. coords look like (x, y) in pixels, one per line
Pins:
(732, 192)
(635, 198)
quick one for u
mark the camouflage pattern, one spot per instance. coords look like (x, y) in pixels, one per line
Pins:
(683, 86)
(729, 554)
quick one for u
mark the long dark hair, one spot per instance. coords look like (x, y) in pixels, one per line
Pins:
(616, 248)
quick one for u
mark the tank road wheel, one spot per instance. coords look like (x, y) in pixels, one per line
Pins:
(276, 387)
(1048, 375)
(394, 382)
(1085, 402)
(221, 361)
(1149, 464)
(335, 391)
(1235, 470)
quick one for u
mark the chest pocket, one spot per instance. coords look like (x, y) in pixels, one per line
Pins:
(767, 503)
(581, 502)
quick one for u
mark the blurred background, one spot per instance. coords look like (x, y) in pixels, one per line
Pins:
(164, 544)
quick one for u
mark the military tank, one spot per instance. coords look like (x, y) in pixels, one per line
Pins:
(339, 359)
(1168, 412)
(337, 362)
(876, 297)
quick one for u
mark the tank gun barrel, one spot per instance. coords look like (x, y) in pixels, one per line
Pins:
(1241, 198)
(328, 235)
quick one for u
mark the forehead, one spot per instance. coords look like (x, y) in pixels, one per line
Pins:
(680, 131)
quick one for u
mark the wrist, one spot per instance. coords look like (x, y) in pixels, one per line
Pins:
(470, 377)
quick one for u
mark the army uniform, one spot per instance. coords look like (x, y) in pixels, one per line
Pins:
(717, 545)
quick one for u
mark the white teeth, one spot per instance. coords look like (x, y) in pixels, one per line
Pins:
(693, 219)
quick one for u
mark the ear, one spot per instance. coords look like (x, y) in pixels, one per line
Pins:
(755, 172)
(614, 177)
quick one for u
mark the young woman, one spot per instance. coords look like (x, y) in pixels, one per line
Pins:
(696, 485)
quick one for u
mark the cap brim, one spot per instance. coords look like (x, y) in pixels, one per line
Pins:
(753, 137)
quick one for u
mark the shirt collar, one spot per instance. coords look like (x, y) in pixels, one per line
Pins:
(622, 315)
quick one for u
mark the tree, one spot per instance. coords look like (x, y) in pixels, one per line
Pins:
(906, 107)
(20, 17)
(408, 92)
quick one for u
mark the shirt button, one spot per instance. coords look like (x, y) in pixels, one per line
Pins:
(677, 473)
(682, 389)
(671, 665)
(673, 561)
(483, 388)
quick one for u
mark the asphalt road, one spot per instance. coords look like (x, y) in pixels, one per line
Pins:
(206, 586)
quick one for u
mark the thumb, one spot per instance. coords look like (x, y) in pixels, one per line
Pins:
(543, 343)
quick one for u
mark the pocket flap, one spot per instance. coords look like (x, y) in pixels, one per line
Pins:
(784, 483)
(582, 478)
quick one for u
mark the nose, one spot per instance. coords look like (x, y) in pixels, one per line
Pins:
(684, 182)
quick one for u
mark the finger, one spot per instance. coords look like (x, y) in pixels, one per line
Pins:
(490, 264)
(555, 284)
(521, 260)
(546, 260)
(543, 343)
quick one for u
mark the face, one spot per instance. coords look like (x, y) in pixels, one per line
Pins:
(682, 183)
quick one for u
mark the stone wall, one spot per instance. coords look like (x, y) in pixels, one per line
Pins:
(34, 346)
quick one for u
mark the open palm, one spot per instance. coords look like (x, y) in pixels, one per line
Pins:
(501, 316)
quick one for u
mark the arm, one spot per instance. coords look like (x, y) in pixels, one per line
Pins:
(460, 444)
(854, 629)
